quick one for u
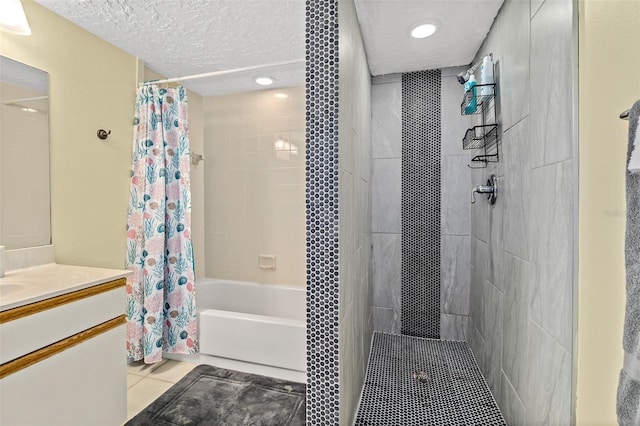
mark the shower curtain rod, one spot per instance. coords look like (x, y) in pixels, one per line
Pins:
(17, 101)
(223, 72)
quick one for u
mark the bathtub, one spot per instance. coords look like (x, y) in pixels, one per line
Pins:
(251, 327)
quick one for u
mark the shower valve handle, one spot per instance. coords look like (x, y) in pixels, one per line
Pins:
(490, 188)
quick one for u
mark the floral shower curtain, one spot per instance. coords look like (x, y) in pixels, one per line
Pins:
(161, 312)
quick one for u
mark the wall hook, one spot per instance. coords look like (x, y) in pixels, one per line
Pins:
(103, 134)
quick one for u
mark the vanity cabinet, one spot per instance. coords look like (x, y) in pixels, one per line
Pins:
(62, 358)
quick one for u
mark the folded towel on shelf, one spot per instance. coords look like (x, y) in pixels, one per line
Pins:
(628, 401)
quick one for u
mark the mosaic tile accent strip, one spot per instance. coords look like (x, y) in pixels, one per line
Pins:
(420, 265)
(323, 394)
(417, 381)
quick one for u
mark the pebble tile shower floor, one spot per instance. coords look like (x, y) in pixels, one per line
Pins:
(418, 381)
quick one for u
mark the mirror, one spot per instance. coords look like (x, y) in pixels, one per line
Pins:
(25, 197)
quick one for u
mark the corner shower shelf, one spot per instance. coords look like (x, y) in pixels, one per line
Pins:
(478, 137)
(483, 98)
(485, 134)
(486, 158)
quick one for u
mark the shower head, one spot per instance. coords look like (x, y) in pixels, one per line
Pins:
(463, 77)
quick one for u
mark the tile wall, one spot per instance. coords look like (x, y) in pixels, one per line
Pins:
(322, 42)
(522, 248)
(24, 154)
(420, 217)
(386, 186)
(354, 154)
(254, 186)
(455, 216)
(386, 183)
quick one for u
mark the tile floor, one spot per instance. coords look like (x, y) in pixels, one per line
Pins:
(417, 381)
(145, 382)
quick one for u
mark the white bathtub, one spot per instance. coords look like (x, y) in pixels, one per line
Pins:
(252, 327)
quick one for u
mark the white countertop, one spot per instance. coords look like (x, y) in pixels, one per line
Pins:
(24, 286)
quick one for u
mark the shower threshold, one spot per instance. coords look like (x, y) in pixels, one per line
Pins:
(417, 381)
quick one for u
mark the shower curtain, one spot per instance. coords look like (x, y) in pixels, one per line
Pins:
(161, 311)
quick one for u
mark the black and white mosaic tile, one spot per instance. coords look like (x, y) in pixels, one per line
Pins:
(417, 381)
(322, 211)
(420, 265)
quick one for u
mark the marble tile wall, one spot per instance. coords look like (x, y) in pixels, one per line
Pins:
(386, 98)
(455, 214)
(521, 274)
(386, 170)
(355, 211)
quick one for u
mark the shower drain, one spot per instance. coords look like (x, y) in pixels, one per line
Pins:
(422, 376)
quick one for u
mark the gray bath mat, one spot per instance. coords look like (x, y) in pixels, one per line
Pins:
(215, 396)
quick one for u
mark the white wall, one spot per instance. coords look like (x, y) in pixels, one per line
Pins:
(608, 31)
(92, 86)
(254, 186)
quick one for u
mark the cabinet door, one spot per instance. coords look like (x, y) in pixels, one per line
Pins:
(83, 385)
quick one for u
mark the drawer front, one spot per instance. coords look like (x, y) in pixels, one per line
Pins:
(83, 385)
(26, 334)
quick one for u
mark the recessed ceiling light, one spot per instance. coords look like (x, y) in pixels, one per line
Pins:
(13, 18)
(423, 30)
(264, 80)
(281, 96)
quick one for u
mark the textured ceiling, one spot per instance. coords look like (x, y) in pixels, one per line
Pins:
(184, 37)
(386, 26)
(24, 75)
